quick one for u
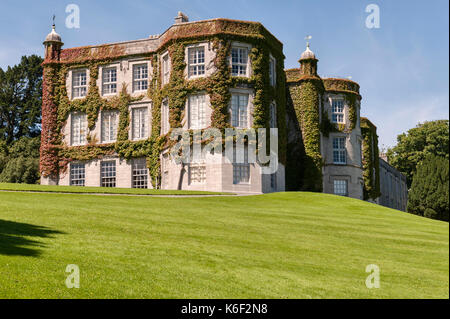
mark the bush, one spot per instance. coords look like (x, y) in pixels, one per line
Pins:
(429, 194)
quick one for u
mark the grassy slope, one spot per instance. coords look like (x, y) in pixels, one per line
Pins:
(286, 245)
(99, 190)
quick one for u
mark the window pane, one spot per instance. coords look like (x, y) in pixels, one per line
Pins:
(108, 174)
(77, 174)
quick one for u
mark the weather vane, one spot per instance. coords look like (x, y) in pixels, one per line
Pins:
(307, 38)
(53, 20)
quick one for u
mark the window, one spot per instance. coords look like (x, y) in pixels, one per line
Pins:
(272, 71)
(239, 61)
(140, 77)
(273, 115)
(241, 171)
(165, 68)
(109, 126)
(140, 174)
(340, 187)
(108, 174)
(79, 84)
(165, 125)
(196, 61)
(109, 78)
(197, 110)
(78, 129)
(239, 105)
(165, 167)
(139, 119)
(77, 174)
(197, 173)
(337, 111)
(339, 153)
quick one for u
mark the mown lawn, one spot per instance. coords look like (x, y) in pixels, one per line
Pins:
(98, 190)
(285, 245)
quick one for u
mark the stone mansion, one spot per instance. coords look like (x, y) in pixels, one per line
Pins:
(108, 109)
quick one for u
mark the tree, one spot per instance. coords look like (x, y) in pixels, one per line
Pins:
(20, 99)
(429, 138)
(429, 191)
(19, 163)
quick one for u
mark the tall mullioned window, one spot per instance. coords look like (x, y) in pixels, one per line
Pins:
(273, 115)
(340, 187)
(339, 151)
(140, 77)
(109, 126)
(165, 124)
(78, 129)
(109, 80)
(140, 174)
(196, 61)
(77, 174)
(239, 110)
(337, 111)
(165, 68)
(241, 171)
(139, 119)
(197, 112)
(108, 174)
(272, 71)
(239, 61)
(79, 84)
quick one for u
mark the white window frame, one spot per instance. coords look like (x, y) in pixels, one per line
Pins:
(78, 87)
(340, 187)
(142, 122)
(109, 83)
(139, 173)
(339, 150)
(109, 129)
(240, 112)
(165, 68)
(197, 111)
(77, 174)
(197, 173)
(337, 111)
(241, 171)
(196, 65)
(108, 173)
(140, 79)
(78, 136)
(241, 66)
(273, 71)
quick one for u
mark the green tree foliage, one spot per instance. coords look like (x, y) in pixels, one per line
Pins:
(19, 163)
(20, 99)
(429, 191)
(429, 138)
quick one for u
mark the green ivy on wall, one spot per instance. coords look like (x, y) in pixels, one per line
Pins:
(371, 160)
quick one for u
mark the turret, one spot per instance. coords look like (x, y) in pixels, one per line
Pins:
(53, 45)
(308, 62)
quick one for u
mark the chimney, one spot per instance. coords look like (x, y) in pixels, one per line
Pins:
(181, 18)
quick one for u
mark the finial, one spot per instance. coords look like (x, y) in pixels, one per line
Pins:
(53, 25)
(307, 38)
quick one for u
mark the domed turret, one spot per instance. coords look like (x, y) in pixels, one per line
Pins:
(307, 54)
(308, 61)
(53, 45)
(53, 36)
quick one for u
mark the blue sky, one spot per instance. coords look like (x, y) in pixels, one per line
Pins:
(402, 67)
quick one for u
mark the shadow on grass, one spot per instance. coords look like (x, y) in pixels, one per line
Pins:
(14, 241)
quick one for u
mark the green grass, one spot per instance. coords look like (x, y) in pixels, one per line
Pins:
(99, 190)
(285, 245)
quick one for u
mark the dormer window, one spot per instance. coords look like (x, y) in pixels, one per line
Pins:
(239, 61)
(79, 84)
(109, 80)
(337, 111)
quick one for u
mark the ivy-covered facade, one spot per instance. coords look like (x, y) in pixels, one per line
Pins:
(108, 112)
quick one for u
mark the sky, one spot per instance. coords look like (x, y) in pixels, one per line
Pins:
(402, 66)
